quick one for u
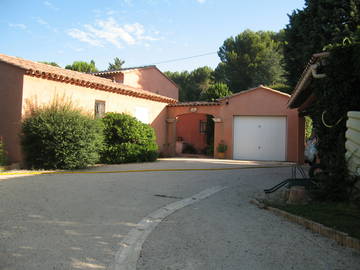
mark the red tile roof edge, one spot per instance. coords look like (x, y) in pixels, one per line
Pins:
(48, 72)
(194, 103)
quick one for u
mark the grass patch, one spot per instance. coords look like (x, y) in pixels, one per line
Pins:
(339, 216)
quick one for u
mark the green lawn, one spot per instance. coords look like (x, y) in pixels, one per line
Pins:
(339, 216)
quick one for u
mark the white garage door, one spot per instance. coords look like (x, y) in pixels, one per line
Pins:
(260, 138)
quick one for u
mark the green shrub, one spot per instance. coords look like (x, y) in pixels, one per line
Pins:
(60, 136)
(222, 147)
(3, 157)
(127, 140)
(308, 127)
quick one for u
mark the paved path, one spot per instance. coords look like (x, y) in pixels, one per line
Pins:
(225, 232)
(79, 221)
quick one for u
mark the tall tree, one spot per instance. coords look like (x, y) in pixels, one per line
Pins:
(320, 23)
(249, 59)
(83, 66)
(117, 65)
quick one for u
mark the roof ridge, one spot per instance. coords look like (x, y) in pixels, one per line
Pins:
(255, 88)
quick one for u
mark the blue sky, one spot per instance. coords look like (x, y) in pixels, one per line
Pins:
(141, 32)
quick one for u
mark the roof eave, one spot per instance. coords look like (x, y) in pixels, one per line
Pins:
(304, 81)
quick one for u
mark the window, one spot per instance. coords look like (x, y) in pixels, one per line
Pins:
(203, 126)
(99, 108)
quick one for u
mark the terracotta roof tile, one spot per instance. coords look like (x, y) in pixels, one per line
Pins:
(49, 72)
(194, 103)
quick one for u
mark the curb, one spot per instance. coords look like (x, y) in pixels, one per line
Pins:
(144, 170)
(341, 238)
(127, 256)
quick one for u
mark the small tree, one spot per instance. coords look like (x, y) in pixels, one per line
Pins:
(116, 65)
(127, 140)
(60, 136)
(215, 91)
(50, 63)
(83, 66)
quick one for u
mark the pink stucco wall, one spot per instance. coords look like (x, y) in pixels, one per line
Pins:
(11, 83)
(188, 128)
(151, 79)
(256, 102)
(41, 91)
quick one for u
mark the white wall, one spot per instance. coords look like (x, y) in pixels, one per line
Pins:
(353, 142)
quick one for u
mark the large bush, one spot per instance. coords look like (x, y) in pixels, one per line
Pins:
(60, 136)
(127, 140)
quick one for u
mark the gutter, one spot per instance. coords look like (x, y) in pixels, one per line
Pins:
(309, 72)
(314, 72)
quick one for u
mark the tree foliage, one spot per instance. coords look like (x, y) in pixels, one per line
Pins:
(281, 87)
(83, 66)
(193, 83)
(182, 80)
(215, 91)
(117, 65)
(249, 59)
(320, 23)
(50, 63)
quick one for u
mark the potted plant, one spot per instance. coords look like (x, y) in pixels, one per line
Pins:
(222, 147)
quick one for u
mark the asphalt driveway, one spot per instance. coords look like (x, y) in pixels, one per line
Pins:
(78, 221)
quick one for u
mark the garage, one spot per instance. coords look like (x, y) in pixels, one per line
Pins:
(259, 138)
(254, 124)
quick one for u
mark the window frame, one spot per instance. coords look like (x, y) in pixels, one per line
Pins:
(99, 108)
